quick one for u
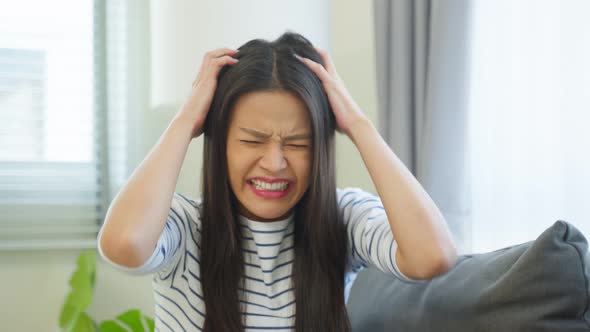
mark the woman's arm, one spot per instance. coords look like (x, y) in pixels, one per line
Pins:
(138, 214)
(425, 246)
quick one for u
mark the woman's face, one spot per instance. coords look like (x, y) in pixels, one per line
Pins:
(269, 147)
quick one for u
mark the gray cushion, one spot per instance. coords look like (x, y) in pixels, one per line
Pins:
(540, 285)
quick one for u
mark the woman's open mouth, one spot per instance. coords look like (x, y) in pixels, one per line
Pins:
(270, 190)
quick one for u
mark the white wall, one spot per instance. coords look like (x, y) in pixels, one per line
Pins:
(183, 30)
(353, 51)
(34, 283)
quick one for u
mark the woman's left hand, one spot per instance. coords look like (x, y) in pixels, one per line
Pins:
(346, 111)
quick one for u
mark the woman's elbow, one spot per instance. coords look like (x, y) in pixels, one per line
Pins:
(442, 264)
(120, 250)
(437, 266)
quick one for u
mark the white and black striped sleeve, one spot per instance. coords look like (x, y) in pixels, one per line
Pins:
(371, 241)
(171, 243)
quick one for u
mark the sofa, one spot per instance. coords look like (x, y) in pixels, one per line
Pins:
(540, 285)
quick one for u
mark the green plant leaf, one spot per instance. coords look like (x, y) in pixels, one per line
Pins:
(132, 319)
(150, 323)
(91, 262)
(68, 315)
(82, 287)
(76, 302)
(85, 275)
(111, 326)
(80, 297)
(83, 323)
(73, 317)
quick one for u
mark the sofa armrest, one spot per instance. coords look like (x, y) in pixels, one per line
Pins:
(540, 285)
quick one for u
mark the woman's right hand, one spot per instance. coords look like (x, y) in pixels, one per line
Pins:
(197, 105)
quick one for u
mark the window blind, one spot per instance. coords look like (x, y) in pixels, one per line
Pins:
(63, 120)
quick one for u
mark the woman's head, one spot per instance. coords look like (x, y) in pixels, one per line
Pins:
(270, 120)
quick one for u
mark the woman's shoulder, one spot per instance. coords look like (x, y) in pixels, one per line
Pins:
(354, 198)
(184, 206)
(348, 193)
(358, 204)
(186, 199)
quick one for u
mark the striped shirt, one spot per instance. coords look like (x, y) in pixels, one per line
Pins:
(268, 296)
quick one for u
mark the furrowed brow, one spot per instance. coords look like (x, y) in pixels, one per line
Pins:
(262, 135)
(255, 133)
(297, 137)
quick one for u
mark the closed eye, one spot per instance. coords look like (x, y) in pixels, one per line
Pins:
(250, 142)
(297, 145)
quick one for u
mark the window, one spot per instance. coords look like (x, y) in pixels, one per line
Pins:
(529, 119)
(59, 135)
(22, 96)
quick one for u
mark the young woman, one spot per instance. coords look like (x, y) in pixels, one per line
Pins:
(272, 244)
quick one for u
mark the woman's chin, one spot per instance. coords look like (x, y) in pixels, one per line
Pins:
(266, 215)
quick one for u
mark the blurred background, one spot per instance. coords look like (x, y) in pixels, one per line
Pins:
(487, 102)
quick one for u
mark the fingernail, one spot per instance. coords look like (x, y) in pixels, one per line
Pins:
(298, 57)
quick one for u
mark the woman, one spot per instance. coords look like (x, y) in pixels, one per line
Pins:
(273, 244)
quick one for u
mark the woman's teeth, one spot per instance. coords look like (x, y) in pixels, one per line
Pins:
(276, 186)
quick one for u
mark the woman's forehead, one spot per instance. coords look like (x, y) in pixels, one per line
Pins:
(273, 110)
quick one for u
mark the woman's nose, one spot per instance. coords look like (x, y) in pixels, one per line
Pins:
(273, 159)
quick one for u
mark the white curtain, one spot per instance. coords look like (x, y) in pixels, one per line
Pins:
(422, 62)
(529, 119)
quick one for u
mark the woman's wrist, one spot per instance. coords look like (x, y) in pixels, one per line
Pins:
(184, 125)
(359, 129)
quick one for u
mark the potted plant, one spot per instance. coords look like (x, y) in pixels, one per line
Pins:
(73, 317)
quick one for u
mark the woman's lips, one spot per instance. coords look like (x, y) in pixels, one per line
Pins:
(270, 194)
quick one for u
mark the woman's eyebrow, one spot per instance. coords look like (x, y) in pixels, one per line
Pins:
(297, 137)
(255, 133)
(262, 135)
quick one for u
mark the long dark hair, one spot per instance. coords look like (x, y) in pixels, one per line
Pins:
(320, 236)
